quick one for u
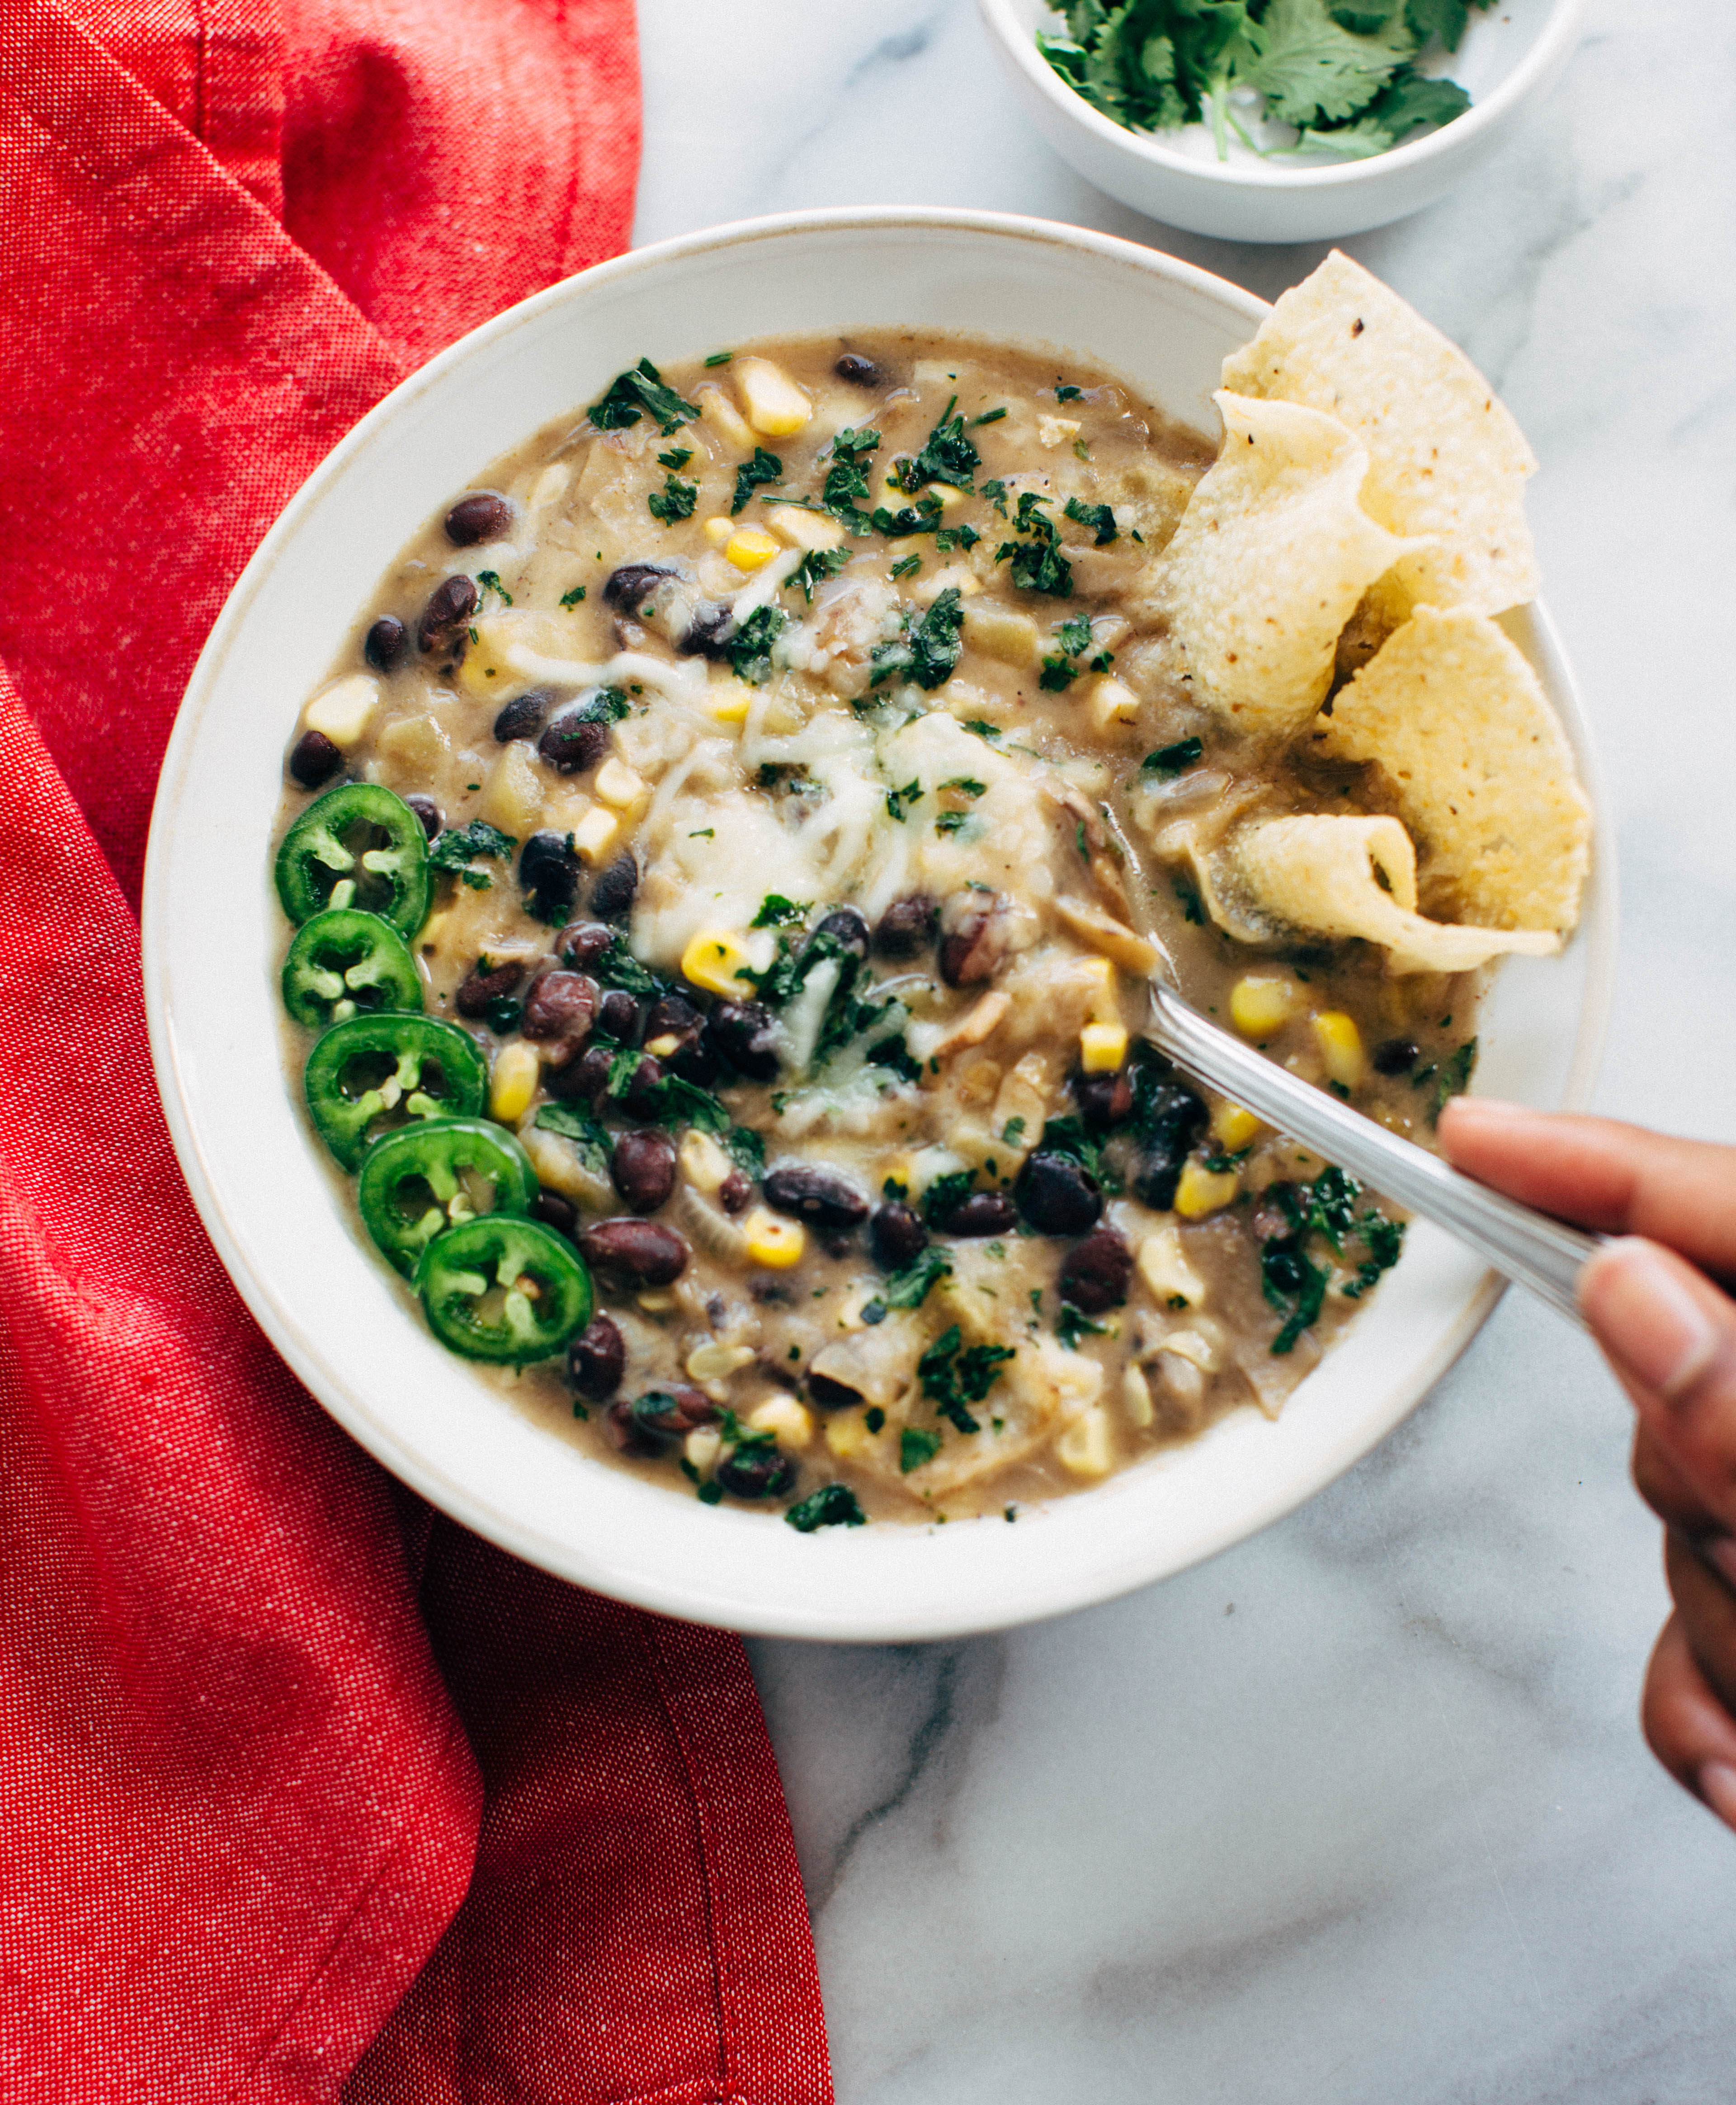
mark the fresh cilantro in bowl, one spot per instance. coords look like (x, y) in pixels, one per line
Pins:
(1342, 76)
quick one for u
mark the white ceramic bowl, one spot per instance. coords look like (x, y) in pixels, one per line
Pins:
(1508, 59)
(334, 1310)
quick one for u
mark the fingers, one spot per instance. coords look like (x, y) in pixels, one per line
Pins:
(1670, 1335)
(1619, 1179)
(1686, 1727)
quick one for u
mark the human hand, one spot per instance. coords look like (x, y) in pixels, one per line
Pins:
(1669, 1332)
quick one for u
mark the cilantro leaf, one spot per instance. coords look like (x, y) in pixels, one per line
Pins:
(674, 500)
(631, 394)
(1073, 1323)
(1037, 563)
(1306, 65)
(898, 801)
(923, 517)
(947, 456)
(1172, 759)
(777, 912)
(750, 649)
(846, 485)
(927, 650)
(815, 567)
(832, 1505)
(1445, 19)
(915, 1447)
(1100, 518)
(676, 457)
(909, 1289)
(955, 1375)
(572, 1122)
(763, 467)
(456, 848)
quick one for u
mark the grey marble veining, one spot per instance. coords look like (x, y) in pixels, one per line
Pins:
(1359, 1812)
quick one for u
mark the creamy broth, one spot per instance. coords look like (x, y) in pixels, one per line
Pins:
(845, 821)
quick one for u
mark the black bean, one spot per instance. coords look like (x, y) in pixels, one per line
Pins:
(677, 1030)
(315, 759)
(450, 607)
(847, 929)
(859, 371)
(619, 1017)
(628, 1435)
(1095, 1274)
(432, 818)
(642, 1169)
(572, 744)
(596, 1359)
(907, 926)
(612, 893)
(898, 1236)
(642, 1098)
(674, 1412)
(556, 1211)
(1397, 1056)
(1172, 1119)
(583, 1080)
(1058, 1195)
(583, 942)
(745, 1033)
(632, 583)
(522, 717)
(548, 872)
(710, 631)
(974, 943)
(386, 644)
(1104, 1101)
(481, 988)
(735, 1191)
(558, 1010)
(982, 1213)
(481, 516)
(757, 1472)
(811, 1192)
(832, 1395)
(635, 1253)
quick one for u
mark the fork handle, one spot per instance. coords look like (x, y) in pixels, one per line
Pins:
(1541, 1253)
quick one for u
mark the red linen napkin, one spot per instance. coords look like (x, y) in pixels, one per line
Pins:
(299, 1779)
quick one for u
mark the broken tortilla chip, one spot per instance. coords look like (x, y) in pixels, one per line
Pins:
(1482, 770)
(1272, 556)
(1446, 458)
(1324, 874)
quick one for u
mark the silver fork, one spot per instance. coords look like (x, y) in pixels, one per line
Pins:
(1544, 1255)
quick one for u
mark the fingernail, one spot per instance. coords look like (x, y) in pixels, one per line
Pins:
(1646, 1317)
(1717, 1782)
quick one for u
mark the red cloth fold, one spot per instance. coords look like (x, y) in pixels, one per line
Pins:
(299, 1779)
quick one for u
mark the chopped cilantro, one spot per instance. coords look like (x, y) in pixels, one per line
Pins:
(618, 968)
(1100, 518)
(996, 491)
(763, 467)
(946, 1194)
(984, 729)
(846, 487)
(633, 393)
(832, 1505)
(490, 581)
(951, 822)
(602, 705)
(1073, 1323)
(923, 517)
(720, 358)
(573, 597)
(898, 802)
(1010, 1132)
(1293, 1284)
(815, 567)
(1037, 563)
(874, 1419)
(909, 1289)
(955, 1375)
(1454, 1078)
(907, 569)
(949, 538)
(747, 1148)
(573, 1122)
(927, 649)
(1172, 759)
(777, 912)
(947, 456)
(750, 649)
(988, 417)
(967, 785)
(1189, 900)
(458, 845)
(674, 500)
(676, 457)
(1068, 393)
(915, 1447)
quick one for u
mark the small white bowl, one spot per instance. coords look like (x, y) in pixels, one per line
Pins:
(213, 928)
(1508, 57)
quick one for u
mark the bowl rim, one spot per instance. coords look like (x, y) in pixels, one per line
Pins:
(678, 1594)
(1560, 32)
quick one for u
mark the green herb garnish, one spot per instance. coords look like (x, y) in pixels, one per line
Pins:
(632, 394)
(927, 650)
(909, 1289)
(674, 500)
(1100, 518)
(1172, 759)
(915, 1447)
(832, 1505)
(955, 1375)
(1037, 563)
(763, 467)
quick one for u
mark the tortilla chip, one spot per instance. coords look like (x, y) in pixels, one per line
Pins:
(1270, 559)
(1319, 874)
(1483, 771)
(1446, 458)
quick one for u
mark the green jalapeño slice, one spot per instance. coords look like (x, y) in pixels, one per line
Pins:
(503, 1289)
(359, 845)
(376, 1073)
(423, 1179)
(344, 962)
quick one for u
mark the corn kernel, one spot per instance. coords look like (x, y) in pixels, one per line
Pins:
(847, 1435)
(512, 1084)
(750, 547)
(713, 959)
(1111, 701)
(948, 499)
(781, 1416)
(1232, 1126)
(727, 701)
(800, 528)
(342, 713)
(594, 834)
(703, 1163)
(1340, 1044)
(659, 1301)
(1102, 1046)
(713, 1362)
(618, 785)
(716, 408)
(771, 1242)
(702, 1449)
(718, 531)
(1136, 1396)
(1097, 975)
(1085, 1447)
(1200, 1190)
(1164, 1266)
(1262, 1003)
(774, 406)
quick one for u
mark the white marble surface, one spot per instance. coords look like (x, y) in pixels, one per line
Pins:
(1359, 1813)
